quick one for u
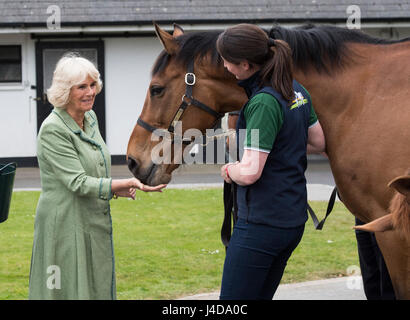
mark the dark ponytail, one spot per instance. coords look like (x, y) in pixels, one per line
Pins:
(278, 69)
(274, 57)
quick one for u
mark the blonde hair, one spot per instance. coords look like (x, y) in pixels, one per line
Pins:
(71, 70)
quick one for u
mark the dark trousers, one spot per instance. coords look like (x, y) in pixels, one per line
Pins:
(255, 260)
(376, 280)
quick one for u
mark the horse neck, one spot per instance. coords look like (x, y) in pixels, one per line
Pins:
(221, 88)
(327, 93)
(333, 93)
(238, 102)
(362, 75)
(229, 96)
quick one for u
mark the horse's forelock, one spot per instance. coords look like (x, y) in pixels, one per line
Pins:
(191, 45)
(160, 63)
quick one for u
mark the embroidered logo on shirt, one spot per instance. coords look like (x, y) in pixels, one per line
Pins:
(299, 101)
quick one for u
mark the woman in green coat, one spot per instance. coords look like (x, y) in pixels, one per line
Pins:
(73, 254)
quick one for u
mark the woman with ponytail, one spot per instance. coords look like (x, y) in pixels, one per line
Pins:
(280, 127)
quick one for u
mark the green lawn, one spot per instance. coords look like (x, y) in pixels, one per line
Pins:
(168, 245)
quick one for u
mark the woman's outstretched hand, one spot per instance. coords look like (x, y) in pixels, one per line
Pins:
(128, 193)
(127, 187)
(143, 187)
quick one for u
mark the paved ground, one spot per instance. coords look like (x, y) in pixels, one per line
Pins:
(320, 186)
(344, 288)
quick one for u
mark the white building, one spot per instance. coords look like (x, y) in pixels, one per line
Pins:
(119, 37)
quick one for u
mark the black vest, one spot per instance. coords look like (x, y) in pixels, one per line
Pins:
(279, 197)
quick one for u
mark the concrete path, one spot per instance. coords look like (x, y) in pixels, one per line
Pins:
(344, 288)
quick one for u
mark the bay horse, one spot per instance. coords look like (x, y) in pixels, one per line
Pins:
(360, 89)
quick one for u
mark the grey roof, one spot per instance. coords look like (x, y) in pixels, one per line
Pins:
(99, 12)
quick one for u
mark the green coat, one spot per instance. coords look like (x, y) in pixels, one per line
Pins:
(73, 255)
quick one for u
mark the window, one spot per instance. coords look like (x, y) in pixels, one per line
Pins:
(10, 64)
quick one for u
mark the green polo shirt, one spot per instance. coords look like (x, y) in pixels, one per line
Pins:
(264, 113)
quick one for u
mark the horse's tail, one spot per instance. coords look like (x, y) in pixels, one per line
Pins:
(399, 210)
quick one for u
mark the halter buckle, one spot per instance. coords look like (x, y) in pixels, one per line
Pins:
(193, 78)
(185, 99)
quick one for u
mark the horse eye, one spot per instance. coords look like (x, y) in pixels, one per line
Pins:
(156, 90)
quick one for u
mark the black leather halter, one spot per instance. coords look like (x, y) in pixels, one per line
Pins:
(187, 100)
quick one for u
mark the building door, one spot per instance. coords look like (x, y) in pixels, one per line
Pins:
(47, 56)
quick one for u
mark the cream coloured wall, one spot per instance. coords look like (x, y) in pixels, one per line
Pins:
(128, 63)
(18, 117)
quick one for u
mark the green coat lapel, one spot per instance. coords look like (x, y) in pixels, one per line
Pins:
(89, 125)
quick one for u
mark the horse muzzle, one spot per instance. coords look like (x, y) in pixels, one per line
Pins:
(151, 175)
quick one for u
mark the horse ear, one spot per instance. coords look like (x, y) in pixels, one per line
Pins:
(178, 31)
(167, 40)
(402, 185)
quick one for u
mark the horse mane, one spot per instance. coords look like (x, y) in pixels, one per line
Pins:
(323, 47)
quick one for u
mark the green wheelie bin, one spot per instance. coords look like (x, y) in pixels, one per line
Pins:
(7, 174)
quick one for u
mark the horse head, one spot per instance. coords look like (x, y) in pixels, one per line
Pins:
(189, 89)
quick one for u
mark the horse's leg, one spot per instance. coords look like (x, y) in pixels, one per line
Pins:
(396, 253)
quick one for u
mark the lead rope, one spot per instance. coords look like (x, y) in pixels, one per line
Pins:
(228, 133)
(319, 225)
(231, 212)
